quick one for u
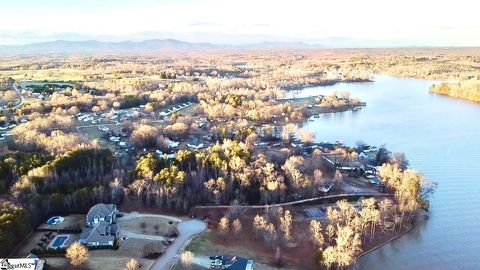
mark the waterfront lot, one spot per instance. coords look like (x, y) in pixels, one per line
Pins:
(211, 244)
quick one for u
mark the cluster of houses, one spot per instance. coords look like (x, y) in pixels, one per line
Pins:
(118, 115)
(365, 165)
(5, 129)
(101, 228)
(173, 146)
(176, 108)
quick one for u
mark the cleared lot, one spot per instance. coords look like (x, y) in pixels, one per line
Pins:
(109, 259)
(147, 225)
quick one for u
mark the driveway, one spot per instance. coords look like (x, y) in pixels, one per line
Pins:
(187, 229)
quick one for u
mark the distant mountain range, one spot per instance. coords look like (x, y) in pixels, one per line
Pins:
(153, 45)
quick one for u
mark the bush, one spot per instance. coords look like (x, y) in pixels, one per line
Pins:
(153, 250)
(116, 244)
(46, 252)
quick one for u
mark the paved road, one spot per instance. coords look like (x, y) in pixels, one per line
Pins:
(187, 229)
(22, 98)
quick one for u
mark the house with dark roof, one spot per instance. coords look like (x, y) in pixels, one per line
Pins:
(101, 229)
(102, 212)
(103, 234)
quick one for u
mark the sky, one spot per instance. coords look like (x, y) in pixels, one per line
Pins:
(369, 23)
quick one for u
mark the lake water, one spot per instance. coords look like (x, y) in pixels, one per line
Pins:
(441, 138)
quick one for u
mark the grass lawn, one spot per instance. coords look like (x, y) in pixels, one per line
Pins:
(92, 132)
(209, 244)
(191, 267)
(70, 222)
(108, 259)
(32, 241)
(152, 225)
(47, 74)
(361, 184)
(29, 243)
(206, 245)
(39, 83)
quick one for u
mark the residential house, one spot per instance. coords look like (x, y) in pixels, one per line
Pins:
(101, 212)
(102, 234)
(101, 229)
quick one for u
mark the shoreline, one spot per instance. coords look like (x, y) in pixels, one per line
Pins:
(326, 83)
(364, 253)
(454, 97)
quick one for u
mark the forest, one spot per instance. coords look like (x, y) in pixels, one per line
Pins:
(239, 141)
(466, 90)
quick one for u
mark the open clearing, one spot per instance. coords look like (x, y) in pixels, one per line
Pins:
(208, 244)
(143, 224)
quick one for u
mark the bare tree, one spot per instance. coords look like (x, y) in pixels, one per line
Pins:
(400, 160)
(288, 131)
(186, 259)
(306, 136)
(132, 264)
(77, 254)
(223, 226)
(316, 233)
(286, 225)
(237, 226)
(330, 232)
(145, 135)
(338, 178)
(329, 257)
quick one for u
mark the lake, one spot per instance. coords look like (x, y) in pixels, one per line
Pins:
(440, 136)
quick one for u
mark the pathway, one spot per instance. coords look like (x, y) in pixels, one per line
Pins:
(187, 229)
(22, 98)
(336, 196)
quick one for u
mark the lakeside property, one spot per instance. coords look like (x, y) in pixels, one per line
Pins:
(196, 145)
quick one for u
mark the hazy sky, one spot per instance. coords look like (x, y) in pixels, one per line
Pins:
(380, 23)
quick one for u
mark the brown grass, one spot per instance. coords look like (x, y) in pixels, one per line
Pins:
(247, 245)
(108, 259)
(134, 225)
(71, 221)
